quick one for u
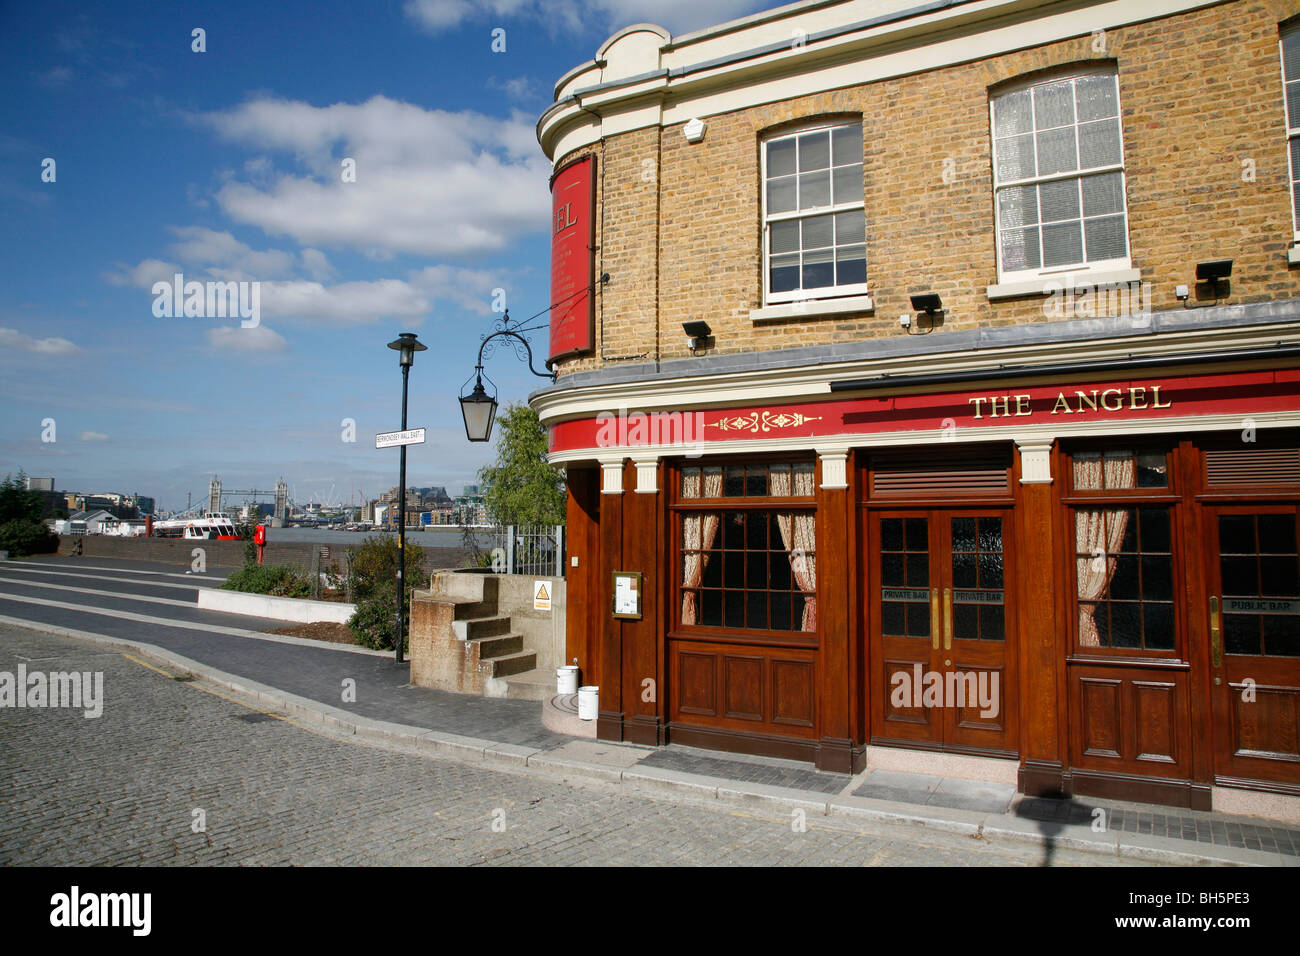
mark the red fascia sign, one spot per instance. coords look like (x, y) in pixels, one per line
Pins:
(1061, 405)
(573, 241)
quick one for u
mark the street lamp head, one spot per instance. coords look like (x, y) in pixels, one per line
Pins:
(479, 410)
(407, 344)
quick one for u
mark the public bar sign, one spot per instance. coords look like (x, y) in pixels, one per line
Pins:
(412, 436)
(573, 243)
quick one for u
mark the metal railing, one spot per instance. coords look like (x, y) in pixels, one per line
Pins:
(528, 549)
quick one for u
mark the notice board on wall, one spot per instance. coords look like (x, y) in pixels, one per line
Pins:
(573, 259)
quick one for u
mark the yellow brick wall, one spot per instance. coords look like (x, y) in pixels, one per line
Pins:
(1199, 93)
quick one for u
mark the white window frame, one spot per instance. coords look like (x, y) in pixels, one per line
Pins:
(825, 292)
(1098, 272)
(1292, 128)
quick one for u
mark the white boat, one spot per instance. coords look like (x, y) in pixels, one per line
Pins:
(210, 526)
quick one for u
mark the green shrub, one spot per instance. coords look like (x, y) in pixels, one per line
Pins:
(276, 580)
(371, 581)
(374, 624)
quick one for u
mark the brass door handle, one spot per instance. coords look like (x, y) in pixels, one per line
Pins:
(934, 618)
(947, 618)
(1216, 632)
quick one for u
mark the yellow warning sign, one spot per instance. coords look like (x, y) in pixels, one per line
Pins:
(541, 596)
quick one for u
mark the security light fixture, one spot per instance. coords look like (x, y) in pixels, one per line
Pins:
(698, 333)
(928, 302)
(1214, 271)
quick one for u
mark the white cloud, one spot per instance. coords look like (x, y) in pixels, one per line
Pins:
(678, 16)
(144, 274)
(471, 288)
(258, 339)
(517, 88)
(218, 256)
(93, 436)
(13, 339)
(316, 264)
(345, 302)
(428, 182)
(207, 247)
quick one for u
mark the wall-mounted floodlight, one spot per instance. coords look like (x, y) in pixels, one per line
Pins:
(698, 334)
(928, 302)
(1216, 273)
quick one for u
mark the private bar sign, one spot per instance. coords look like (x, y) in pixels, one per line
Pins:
(412, 436)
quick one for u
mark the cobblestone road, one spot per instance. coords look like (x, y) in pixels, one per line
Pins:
(123, 788)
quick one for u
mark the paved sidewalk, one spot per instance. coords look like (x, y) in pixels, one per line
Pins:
(310, 682)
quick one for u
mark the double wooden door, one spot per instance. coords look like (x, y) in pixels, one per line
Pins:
(941, 618)
(1253, 577)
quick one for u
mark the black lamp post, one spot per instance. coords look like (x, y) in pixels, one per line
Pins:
(406, 345)
(479, 408)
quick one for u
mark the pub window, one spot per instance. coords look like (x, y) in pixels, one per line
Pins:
(1058, 177)
(1260, 575)
(1124, 564)
(748, 557)
(814, 218)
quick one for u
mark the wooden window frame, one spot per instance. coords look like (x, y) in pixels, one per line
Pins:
(679, 507)
(1170, 498)
(1071, 273)
(820, 292)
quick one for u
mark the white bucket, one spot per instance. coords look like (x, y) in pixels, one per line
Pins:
(566, 679)
(588, 702)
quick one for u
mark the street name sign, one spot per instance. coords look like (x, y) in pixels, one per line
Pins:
(412, 436)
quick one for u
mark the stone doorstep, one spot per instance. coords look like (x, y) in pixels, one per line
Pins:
(560, 714)
(536, 684)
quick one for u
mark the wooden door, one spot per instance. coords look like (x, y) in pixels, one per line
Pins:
(940, 628)
(1253, 571)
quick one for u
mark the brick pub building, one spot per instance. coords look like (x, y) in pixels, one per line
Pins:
(987, 457)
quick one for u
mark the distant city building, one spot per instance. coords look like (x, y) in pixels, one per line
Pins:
(40, 484)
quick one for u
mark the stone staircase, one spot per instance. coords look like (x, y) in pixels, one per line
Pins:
(460, 642)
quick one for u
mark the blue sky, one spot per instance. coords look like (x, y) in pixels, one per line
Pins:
(228, 165)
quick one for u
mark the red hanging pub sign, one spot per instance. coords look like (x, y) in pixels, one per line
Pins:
(573, 243)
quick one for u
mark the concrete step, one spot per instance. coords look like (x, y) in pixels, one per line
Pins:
(469, 610)
(498, 645)
(536, 684)
(512, 663)
(480, 627)
(453, 585)
(560, 714)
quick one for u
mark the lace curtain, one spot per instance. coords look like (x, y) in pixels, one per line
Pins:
(799, 535)
(1099, 534)
(699, 531)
